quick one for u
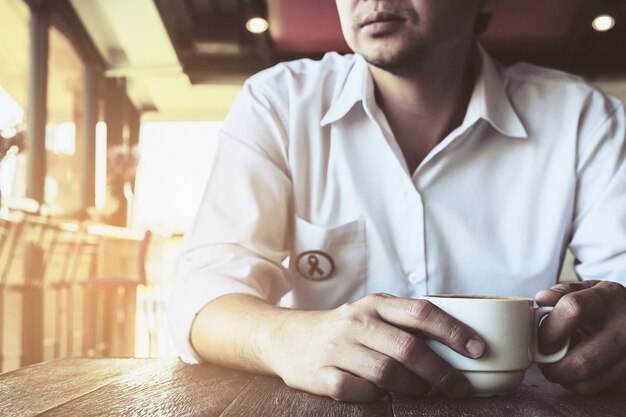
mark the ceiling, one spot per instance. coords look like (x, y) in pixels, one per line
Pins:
(186, 59)
(132, 39)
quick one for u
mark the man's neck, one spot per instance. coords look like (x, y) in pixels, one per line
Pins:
(424, 106)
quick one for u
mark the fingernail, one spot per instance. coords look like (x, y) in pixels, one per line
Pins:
(475, 347)
(461, 389)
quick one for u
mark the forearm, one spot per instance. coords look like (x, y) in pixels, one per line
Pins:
(354, 352)
(241, 331)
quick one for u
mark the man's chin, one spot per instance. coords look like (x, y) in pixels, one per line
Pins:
(401, 60)
(401, 64)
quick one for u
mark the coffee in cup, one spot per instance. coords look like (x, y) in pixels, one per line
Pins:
(509, 327)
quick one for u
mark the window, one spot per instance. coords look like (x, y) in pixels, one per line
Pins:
(14, 67)
(172, 173)
(65, 112)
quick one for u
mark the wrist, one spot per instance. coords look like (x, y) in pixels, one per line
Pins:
(285, 338)
(277, 337)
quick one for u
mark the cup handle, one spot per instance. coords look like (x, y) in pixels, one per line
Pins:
(541, 313)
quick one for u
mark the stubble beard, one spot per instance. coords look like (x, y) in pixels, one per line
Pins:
(408, 61)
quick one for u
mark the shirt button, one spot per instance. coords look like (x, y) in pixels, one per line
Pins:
(412, 196)
(413, 278)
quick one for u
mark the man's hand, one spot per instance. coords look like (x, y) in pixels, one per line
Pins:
(593, 314)
(363, 349)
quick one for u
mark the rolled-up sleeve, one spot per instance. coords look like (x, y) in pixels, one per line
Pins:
(599, 227)
(241, 233)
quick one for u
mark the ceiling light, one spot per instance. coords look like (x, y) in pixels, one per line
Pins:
(257, 25)
(603, 23)
(217, 48)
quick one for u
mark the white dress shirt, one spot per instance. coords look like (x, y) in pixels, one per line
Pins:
(307, 169)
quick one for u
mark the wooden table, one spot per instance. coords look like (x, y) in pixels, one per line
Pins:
(167, 387)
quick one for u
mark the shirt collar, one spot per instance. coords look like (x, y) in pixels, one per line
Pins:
(489, 100)
(353, 89)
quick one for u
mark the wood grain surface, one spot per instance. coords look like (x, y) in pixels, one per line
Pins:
(38, 388)
(270, 397)
(167, 387)
(161, 388)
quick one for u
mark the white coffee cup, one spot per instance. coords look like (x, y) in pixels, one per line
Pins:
(508, 325)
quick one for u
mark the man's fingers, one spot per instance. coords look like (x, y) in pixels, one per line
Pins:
(414, 357)
(391, 349)
(381, 370)
(592, 357)
(437, 372)
(552, 295)
(612, 379)
(343, 386)
(572, 311)
(433, 322)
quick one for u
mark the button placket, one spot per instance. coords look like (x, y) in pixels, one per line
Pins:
(417, 271)
(412, 196)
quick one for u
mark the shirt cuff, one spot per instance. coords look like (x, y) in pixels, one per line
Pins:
(186, 301)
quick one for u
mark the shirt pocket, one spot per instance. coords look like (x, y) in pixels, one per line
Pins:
(328, 264)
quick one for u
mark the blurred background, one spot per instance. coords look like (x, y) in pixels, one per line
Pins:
(109, 112)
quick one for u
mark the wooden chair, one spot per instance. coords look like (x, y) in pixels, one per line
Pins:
(11, 232)
(59, 254)
(10, 229)
(45, 250)
(78, 313)
(115, 304)
(22, 282)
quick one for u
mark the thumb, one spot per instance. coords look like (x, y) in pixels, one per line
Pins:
(550, 296)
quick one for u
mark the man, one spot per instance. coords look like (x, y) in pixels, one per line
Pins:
(416, 166)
